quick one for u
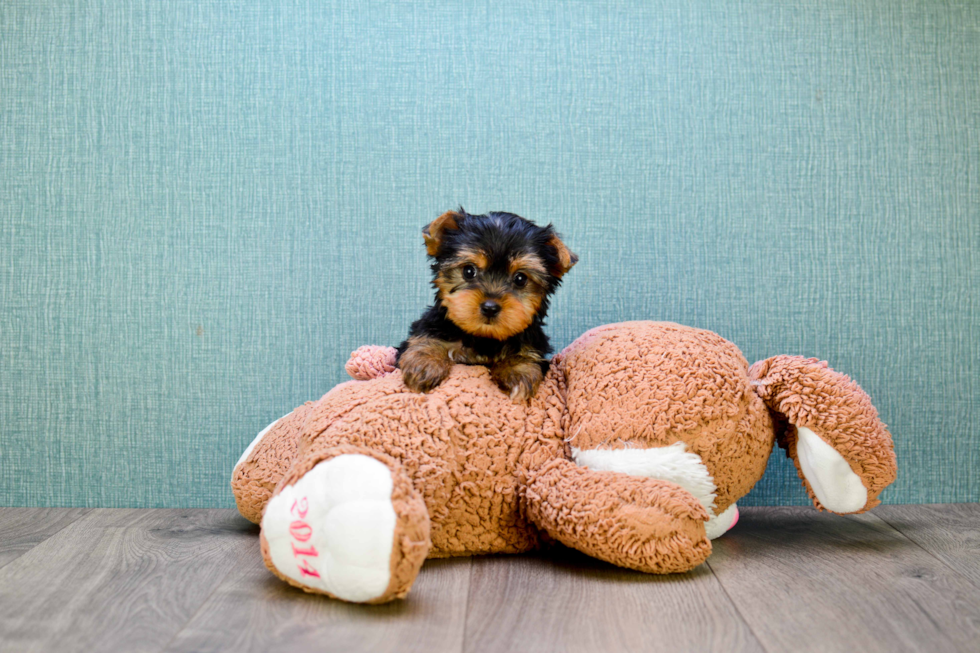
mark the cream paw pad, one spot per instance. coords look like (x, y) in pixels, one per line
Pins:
(333, 529)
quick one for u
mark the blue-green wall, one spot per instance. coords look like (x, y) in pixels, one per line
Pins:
(205, 206)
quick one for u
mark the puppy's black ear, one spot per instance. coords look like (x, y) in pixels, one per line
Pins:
(566, 257)
(434, 232)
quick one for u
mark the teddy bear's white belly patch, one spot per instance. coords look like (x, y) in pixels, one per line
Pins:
(671, 463)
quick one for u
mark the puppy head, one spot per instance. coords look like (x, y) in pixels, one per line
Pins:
(494, 272)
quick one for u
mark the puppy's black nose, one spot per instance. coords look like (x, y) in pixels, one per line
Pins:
(490, 309)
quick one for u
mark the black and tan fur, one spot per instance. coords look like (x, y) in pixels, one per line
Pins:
(493, 276)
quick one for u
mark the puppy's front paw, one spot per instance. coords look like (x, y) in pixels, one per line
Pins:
(422, 370)
(519, 379)
(423, 377)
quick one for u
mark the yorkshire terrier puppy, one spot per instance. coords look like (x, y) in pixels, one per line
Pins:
(493, 276)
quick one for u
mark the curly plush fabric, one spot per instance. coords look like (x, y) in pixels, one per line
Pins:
(674, 425)
(459, 443)
(370, 362)
(651, 384)
(805, 392)
(256, 476)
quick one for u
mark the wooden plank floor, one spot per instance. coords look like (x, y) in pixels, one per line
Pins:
(902, 578)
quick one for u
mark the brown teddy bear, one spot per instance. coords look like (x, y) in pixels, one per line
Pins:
(634, 450)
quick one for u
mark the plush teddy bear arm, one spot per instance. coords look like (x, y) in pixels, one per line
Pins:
(641, 523)
(647, 524)
(828, 426)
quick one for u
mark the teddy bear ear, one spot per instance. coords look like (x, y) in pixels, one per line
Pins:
(434, 231)
(566, 257)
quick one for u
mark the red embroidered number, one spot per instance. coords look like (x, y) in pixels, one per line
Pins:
(302, 532)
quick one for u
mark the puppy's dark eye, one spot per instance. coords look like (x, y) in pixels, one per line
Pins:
(469, 272)
(520, 279)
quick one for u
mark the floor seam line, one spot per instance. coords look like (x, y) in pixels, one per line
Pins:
(88, 512)
(466, 609)
(204, 602)
(735, 606)
(945, 564)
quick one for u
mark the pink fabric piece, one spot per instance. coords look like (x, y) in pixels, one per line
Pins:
(734, 521)
(371, 362)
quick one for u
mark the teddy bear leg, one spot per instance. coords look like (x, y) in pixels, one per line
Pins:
(347, 523)
(829, 428)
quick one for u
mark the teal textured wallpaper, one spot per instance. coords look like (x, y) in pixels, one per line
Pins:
(205, 206)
